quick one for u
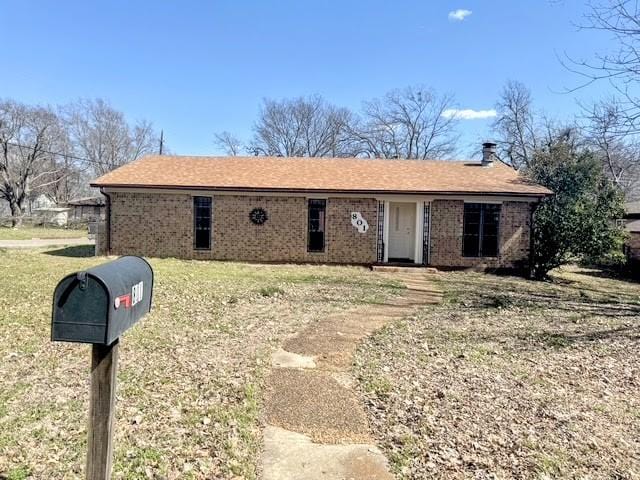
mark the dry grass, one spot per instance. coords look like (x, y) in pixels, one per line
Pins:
(190, 374)
(511, 379)
(27, 233)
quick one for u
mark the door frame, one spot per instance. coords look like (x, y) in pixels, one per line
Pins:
(419, 227)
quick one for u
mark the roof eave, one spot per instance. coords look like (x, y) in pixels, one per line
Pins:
(324, 190)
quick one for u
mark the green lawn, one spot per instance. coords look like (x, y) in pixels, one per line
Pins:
(510, 378)
(190, 375)
(27, 233)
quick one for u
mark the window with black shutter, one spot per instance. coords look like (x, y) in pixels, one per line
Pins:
(316, 224)
(202, 223)
(481, 228)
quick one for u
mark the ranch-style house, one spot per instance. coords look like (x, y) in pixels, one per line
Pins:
(325, 210)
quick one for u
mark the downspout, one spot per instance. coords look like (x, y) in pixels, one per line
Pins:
(107, 220)
(534, 207)
(429, 236)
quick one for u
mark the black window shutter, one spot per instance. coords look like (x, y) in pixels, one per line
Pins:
(316, 225)
(202, 223)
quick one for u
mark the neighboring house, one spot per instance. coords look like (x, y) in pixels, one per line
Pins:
(90, 208)
(42, 201)
(333, 210)
(632, 226)
(632, 243)
(45, 210)
(58, 216)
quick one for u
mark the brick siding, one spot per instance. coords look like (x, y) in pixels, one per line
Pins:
(101, 239)
(446, 236)
(161, 225)
(154, 225)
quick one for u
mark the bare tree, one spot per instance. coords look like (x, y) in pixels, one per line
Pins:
(42, 151)
(69, 177)
(612, 129)
(619, 153)
(620, 66)
(301, 127)
(515, 125)
(228, 142)
(26, 138)
(521, 131)
(408, 123)
(102, 135)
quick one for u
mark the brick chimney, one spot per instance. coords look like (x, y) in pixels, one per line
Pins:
(488, 154)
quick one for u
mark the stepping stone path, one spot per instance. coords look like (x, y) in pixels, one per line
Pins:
(316, 426)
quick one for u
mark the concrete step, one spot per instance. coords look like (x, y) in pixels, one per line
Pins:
(402, 269)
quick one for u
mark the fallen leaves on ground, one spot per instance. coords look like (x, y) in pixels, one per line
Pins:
(191, 372)
(510, 378)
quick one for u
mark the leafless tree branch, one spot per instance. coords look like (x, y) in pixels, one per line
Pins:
(407, 123)
(301, 127)
(26, 134)
(228, 142)
(102, 135)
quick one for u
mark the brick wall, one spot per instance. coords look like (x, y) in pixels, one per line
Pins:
(345, 243)
(446, 235)
(161, 225)
(154, 225)
(100, 238)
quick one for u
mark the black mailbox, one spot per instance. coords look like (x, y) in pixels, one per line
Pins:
(98, 305)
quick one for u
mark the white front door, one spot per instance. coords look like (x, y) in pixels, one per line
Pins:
(402, 231)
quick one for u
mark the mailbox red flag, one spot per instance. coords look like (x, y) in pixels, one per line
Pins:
(124, 300)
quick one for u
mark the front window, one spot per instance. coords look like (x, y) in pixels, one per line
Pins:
(202, 223)
(316, 224)
(481, 227)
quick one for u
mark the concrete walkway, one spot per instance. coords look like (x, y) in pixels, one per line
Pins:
(45, 242)
(316, 426)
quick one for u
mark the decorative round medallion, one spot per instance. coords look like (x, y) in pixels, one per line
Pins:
(258, 216)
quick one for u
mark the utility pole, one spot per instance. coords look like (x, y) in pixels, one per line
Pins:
(161, 141)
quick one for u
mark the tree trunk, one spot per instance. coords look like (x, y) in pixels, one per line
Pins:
(16, 214)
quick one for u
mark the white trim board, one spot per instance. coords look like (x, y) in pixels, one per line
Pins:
(417, 256)
(385, 232)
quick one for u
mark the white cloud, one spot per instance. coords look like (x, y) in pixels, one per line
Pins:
(469, 114)
(459, 14)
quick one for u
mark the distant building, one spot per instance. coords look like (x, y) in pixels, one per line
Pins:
(42, 201)
(90, 208)
(45, 210)
(632, 226)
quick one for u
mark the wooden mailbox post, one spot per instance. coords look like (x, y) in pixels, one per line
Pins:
(96, 306)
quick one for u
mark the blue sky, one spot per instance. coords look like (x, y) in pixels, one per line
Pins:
(197, 67)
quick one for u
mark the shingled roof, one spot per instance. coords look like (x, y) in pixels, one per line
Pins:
(345, 175)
